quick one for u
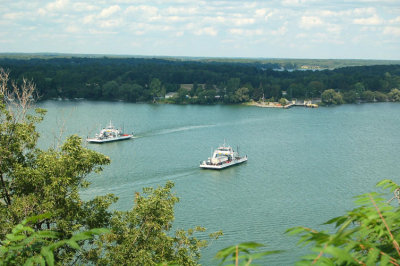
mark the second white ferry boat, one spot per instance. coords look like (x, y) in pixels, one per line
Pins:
(223, 157)
(109, 134)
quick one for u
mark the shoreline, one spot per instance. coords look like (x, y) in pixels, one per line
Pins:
(306, 104)
(290, 104)
(265, 104)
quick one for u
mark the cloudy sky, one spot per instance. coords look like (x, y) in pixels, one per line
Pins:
(364, 29)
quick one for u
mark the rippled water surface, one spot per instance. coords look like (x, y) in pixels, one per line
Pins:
(304, 166)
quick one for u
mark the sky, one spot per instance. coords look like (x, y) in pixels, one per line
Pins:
(326, 29)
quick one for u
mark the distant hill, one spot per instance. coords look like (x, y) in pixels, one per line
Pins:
(280, 63)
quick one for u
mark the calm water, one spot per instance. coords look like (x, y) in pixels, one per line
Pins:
(304, 166)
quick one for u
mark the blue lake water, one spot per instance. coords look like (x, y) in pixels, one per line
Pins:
(305, 165)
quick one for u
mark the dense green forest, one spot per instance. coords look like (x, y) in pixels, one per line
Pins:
(202, 82)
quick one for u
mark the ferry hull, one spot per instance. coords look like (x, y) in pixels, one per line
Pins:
(204, 165)
(100, 141)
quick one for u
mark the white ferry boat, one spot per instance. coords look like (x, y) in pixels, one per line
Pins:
(223, 157)
(109, 134)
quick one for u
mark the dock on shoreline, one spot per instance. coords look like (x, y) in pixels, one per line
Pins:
(308, 104)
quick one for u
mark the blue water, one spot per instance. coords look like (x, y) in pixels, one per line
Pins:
(305, 165)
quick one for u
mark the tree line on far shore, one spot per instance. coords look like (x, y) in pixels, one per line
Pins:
(191, 82)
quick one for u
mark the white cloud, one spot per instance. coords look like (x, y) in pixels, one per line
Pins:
(395, 20)
(182, 10)
(328, 13)
(88, 19)
(215, 20)
(139, 32)
(364, 11)
(280, 31)
(6, 41)
(29, 28)
(243, 21)
(107, 12)
(53, 7)
(236, 31)
(147, 28)
(368, 28)
(100, 32)
(72, 29)
(79, 7)
(307, 22)
(110, 23)
(324, 37)
(190, 26)
(246, 32)
(374, 20)
(301, 35)
(173, 19)
(229, 41)
(261, 12)
(14, 16)
(207, 31)
(334, 29)
(394, 31)
(143, 10)
(165, 28)
(57, 5)
(250, 5)
(291, 2)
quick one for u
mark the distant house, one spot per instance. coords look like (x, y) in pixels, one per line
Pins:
(284, 93)
(170, 95)
(189, 87)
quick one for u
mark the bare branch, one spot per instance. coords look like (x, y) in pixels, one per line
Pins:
(19, 99)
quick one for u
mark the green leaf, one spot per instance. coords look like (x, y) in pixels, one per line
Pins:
(372, 256)
(46, 234)
(73, 244)
(296, 230)
(387, 183)
(48, 255)
(340, 254)
(99, 231)
(37, 218)
(250, 245)
(338, 220)
(15, 238)
(265, 253)
(35, 261)
(223, 253)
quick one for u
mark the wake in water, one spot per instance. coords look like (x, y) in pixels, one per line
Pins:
(174, 130)
(187, 128)
(133, 183)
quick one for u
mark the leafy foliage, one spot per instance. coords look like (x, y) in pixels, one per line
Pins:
(249, 254)
(34, 182)
(142, 235)
(26, 246)
(331, 97)
(366, 235)
(23, 242)
(394, 95)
